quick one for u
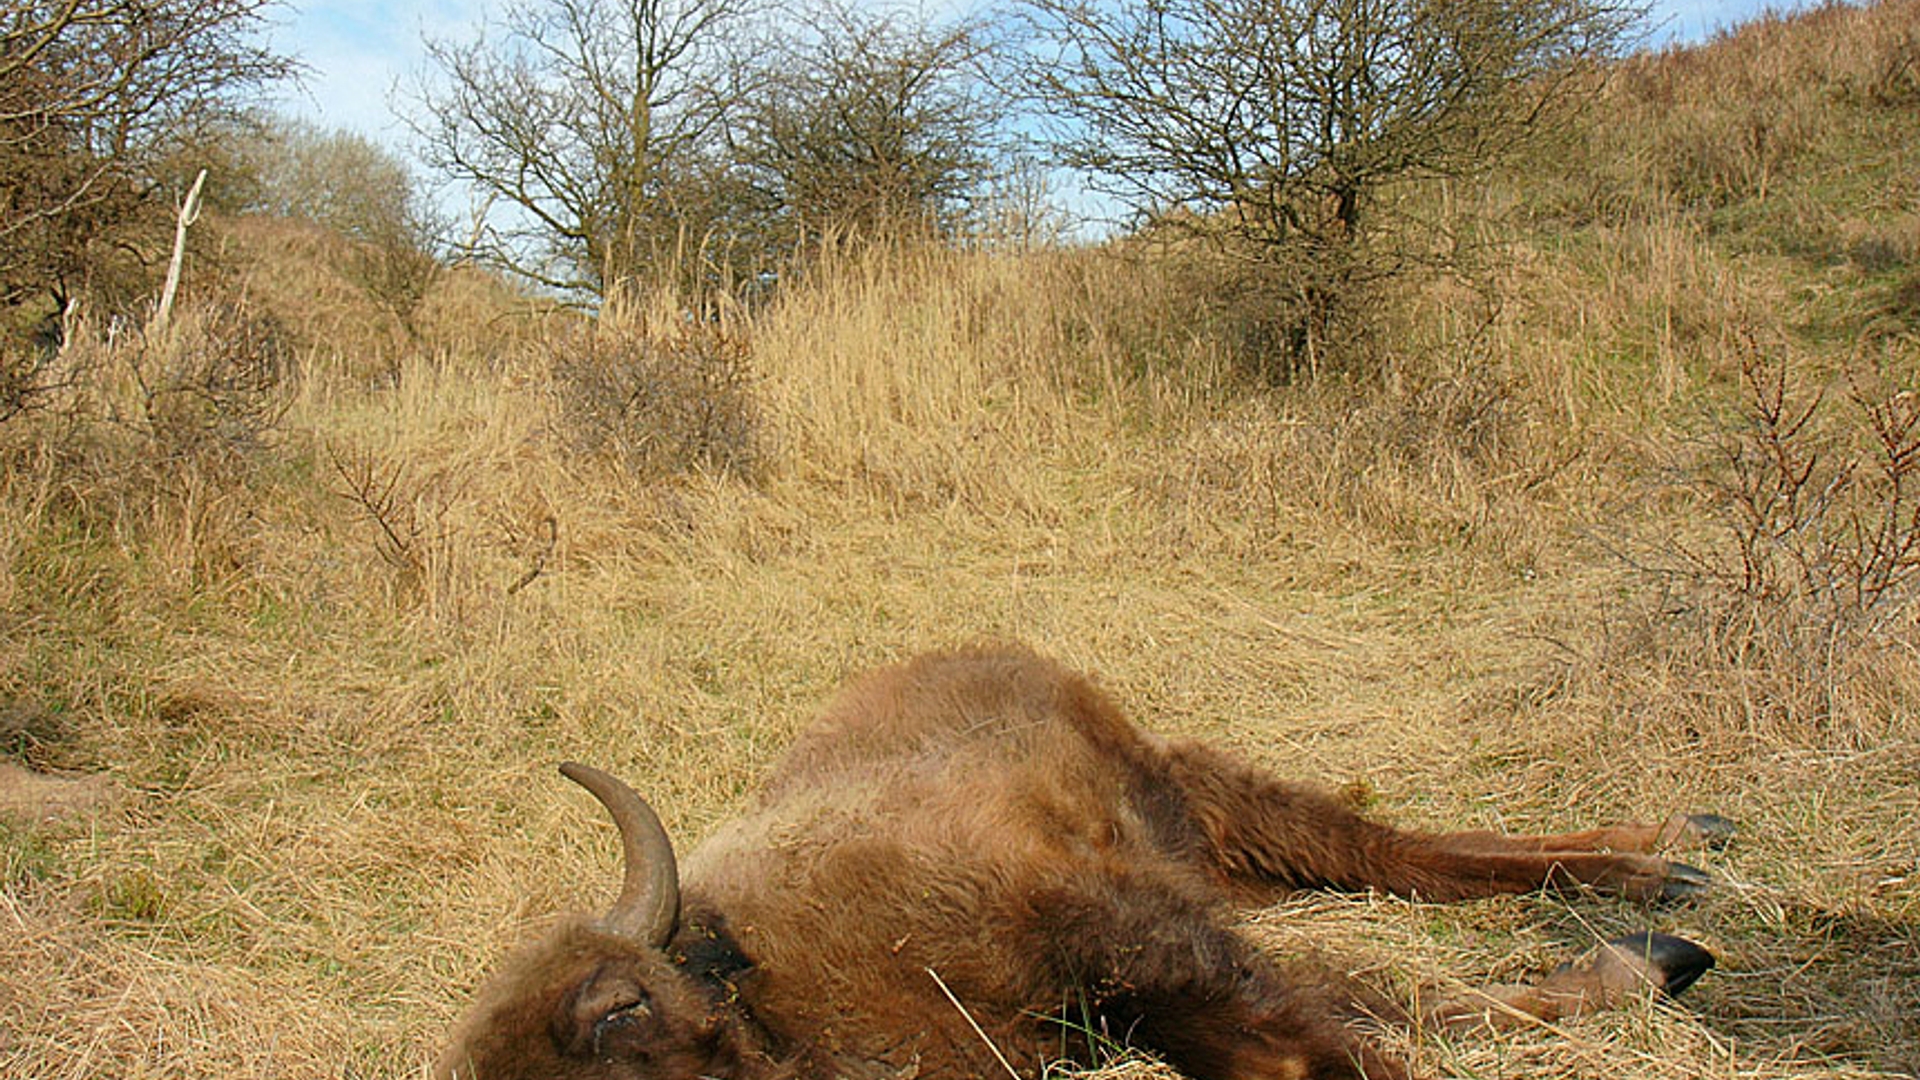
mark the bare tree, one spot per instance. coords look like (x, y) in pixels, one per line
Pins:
(1279, 127)
(873, 122)
(592, 126)
(336, 178)
(95, 97)
(363, 192)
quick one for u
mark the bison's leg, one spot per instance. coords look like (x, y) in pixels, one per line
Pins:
(1257, 829)
(1678, 831)
(1605, 978)
(1143, 961)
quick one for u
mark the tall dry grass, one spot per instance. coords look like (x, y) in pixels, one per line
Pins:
(325, 633)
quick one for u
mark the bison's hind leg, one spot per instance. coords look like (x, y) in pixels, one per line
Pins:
(1605, 978)
(1259, 830)
(1679, 832)
(1145, 960)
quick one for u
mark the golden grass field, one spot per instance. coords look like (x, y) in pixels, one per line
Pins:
(308, 737)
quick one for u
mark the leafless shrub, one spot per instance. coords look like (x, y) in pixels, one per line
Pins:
(410, 511)
(97, 97)
(154, 435)
(1811, 560)
(1836, 527)
(422, 527)
(135, 408)
(213, 390)
(28, 379)
(37, 369)
(659, 401)
(386, 498)
(397, 270)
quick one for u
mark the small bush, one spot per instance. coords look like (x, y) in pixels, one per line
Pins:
(213, 387)
(33, 375)
(410, 511)
(154, 435)
(659, 401)
(1818, 525)
(126, 408)
(1808, 566)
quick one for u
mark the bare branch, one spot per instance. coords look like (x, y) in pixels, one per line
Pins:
(585, 123)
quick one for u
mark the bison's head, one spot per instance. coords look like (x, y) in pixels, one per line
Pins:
(601, 998)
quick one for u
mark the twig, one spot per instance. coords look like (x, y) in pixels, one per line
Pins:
(538, 563)
(968, 1017)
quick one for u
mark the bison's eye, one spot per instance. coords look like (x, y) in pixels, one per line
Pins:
(622, 1017)
(608, 1011)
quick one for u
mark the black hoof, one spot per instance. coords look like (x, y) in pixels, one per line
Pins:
(1712, 830)
(1684, 881)
(1674, 963)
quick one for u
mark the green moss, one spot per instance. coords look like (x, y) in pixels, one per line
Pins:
(27, 856)
(133, 895)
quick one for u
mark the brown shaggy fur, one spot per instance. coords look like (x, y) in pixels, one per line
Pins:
(987, 824)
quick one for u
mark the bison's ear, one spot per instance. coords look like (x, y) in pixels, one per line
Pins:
(610, 1014)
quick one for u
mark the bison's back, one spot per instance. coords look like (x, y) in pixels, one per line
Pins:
(984, 704)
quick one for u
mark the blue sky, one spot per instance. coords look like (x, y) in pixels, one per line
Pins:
(357, 50)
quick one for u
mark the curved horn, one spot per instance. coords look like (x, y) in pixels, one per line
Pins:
(649, 903)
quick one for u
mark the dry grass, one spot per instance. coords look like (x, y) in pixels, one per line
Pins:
(331, 717)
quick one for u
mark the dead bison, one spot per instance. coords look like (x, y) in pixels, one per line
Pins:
(971, 861)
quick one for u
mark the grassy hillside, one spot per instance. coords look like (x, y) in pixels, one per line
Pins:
(305, 609)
